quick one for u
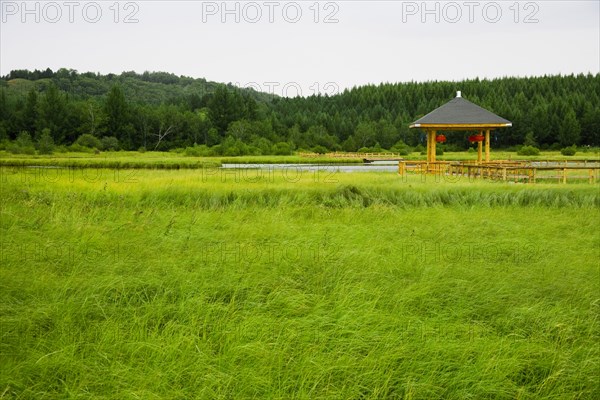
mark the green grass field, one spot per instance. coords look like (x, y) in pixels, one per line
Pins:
(181, 284)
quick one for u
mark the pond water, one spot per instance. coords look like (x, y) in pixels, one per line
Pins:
(333, 168)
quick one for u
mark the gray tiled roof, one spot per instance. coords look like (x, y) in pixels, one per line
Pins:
(461, 111)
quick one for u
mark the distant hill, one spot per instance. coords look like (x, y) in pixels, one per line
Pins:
(147, 88)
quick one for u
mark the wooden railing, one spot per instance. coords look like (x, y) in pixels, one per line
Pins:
(509, 171)
(368, 156)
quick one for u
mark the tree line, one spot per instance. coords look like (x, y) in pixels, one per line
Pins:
(160, 111)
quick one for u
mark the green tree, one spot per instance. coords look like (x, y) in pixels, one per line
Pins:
(4, 112)
(225, 106)
(569, 131)
(45, 143)
(52, 112)
(530, 139)
(3, 105)
(117, 121)
(30, 113)
(365, 134)
(590, 126)
(241, 130)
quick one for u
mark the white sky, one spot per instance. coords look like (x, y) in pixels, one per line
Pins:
(364, 41)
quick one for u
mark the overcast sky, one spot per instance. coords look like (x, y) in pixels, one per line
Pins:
(285, 47)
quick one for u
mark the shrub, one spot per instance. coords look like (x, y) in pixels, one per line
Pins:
(24, 139)
(16, 149)
(89, 141)
(470, 150)
(254, 151)
(22, 144)
(142, 149)
(528, 151)
(402, 148)
(322, 150)
(282, 149)
(45, 142)
(263, 145)
(77, 148)
(233, 147)
(569, 151)
(439, 151)
(420, 148)
(198, 151)
(110, 143)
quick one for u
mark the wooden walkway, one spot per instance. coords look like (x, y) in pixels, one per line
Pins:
(510, 171)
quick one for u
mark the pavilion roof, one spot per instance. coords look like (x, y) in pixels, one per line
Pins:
(460, 112)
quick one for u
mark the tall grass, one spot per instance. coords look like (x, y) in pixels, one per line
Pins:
(212, 188)
(179, 284)
(152, 160)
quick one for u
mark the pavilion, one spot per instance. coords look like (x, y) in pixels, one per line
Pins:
(460, 114)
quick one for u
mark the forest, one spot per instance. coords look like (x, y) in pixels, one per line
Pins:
(46, 111)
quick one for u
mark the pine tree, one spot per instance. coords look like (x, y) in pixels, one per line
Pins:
(52, 111)
(30, 113)
(117, 117)
(569, 131)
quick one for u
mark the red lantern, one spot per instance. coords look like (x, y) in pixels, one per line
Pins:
(476, 138)
(440, 138)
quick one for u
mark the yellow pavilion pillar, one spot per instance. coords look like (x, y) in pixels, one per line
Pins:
(487, 146)
(433, 142)
(479, 150)
(428, 145)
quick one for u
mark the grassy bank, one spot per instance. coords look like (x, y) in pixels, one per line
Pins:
(151, 160)
(238, 284)
(172, 160)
